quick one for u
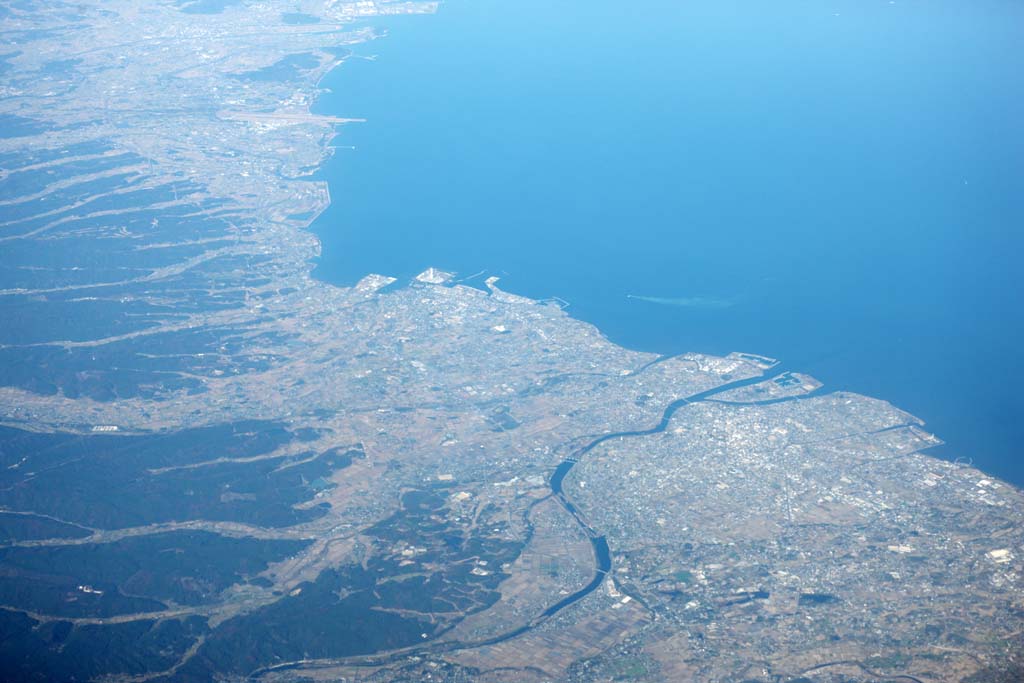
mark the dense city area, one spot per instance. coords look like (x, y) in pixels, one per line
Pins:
(216, 467)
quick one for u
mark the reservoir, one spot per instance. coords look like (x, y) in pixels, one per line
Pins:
(835, 184)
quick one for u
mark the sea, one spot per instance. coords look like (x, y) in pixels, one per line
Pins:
(835, 183)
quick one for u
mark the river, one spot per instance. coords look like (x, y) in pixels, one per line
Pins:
(838, 184)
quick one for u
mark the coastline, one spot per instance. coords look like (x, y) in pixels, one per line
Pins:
(795, 297)
(466, 474)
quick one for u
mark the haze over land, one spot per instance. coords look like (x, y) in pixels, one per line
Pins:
(218, 467)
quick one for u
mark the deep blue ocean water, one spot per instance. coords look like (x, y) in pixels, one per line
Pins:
(838, 184)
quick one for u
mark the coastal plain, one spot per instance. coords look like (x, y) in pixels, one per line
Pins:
(215, 467)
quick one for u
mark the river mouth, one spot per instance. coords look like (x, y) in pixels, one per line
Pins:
(602, 551)
(831, 185)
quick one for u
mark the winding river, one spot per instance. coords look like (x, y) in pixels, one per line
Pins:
(603, 560)
(602, 553)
